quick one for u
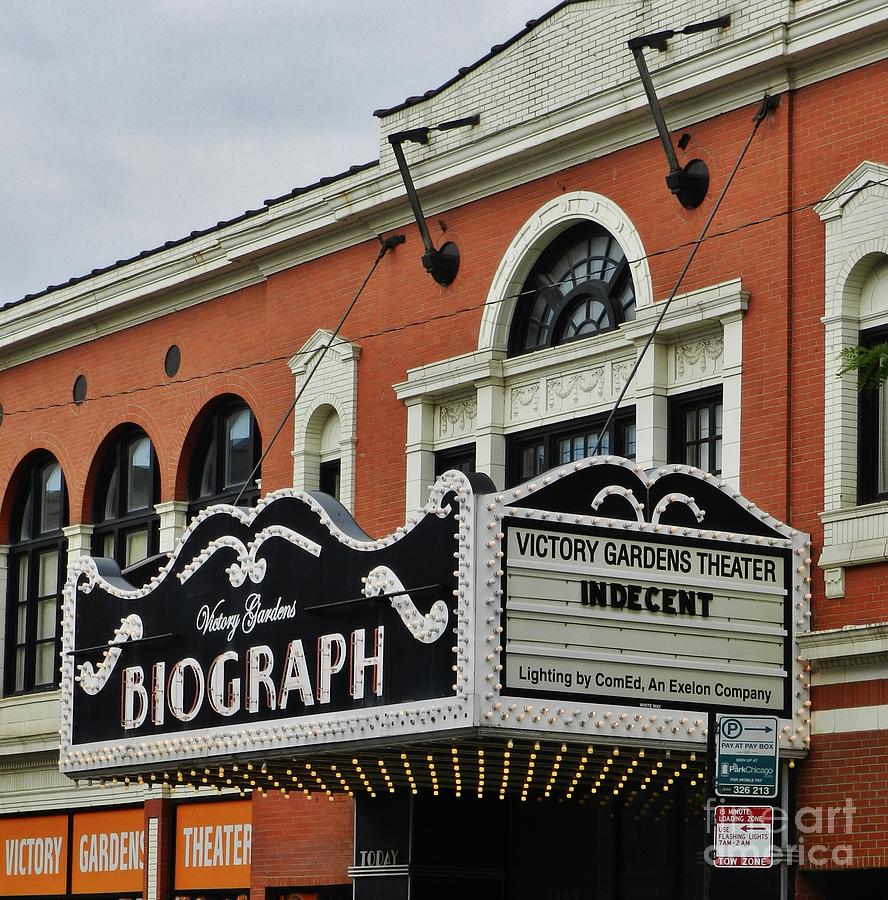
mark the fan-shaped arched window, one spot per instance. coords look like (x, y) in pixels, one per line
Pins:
(37, 560)
(225, 454)
(580, 286)
(126, 525)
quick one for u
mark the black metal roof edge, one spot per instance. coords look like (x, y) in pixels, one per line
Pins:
(495, 50)
(267, 204)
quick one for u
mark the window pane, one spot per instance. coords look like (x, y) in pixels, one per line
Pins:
(21, 623)
(605, 447)
(629, 437)
(111, 498)
(22, 580)
(48, 579)
(690, 428)
(532, 461)
(883, 439)
(27, 516)
(136, 547)
(46, 619)
(138, 488)
(208, 472)
(108, 545)
(330, 477)
(51, 498)
(238, 447)
(20, 669)
(45, 663)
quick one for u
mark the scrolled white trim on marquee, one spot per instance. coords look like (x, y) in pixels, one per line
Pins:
(664, 504)
(425, 628)
(92, 680)
(627, 493)
(247, 565)
(535, 235)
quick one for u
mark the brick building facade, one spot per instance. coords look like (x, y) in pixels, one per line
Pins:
(139, 394)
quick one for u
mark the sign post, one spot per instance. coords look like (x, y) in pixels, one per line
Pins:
(743, 837)
(746, 756)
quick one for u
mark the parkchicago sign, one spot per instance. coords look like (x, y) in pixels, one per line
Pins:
(598, 599)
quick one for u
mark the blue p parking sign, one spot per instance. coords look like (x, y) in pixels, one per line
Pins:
(746, 756)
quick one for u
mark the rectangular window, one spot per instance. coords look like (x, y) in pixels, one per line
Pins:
(330, 477)
(872, 441)
(695, 434)
(461, 458)
(37, 577)
(528, 454)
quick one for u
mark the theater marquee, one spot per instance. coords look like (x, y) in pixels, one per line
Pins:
(281, 627)
(596, 602)
(637, 601)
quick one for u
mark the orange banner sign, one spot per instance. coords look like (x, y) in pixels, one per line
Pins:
(35, 855)
(108, 852)
(214, 845)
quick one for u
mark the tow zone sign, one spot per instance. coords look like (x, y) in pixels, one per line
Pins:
(743, 837)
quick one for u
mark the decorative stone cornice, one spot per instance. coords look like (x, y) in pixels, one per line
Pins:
(852, 645)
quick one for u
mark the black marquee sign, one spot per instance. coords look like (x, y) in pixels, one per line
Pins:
(266, 627)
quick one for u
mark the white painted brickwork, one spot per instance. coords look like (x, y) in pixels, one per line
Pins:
(577, 52)
(855, 217)
(332, 390)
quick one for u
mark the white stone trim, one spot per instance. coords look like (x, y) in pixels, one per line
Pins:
(4, 599)
(581, 378)
(79, 538)
(152, 857)
(173, 516)
(535, 235)
(854, 214)
(851, 645)
(848, 719)
(333, 388)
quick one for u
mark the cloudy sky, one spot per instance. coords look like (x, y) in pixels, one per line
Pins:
(127, 123)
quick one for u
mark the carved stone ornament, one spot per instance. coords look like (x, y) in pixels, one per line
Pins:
(699, 358)
(619, 373)
(527, 396)
(457, 418)
(575, 390)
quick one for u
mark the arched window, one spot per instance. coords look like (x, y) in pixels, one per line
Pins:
(37, 561)
(225, 454)
(580, 286)
(126, 526)
(330, 475)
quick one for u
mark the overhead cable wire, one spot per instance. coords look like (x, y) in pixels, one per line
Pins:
(387, 244)
(463, 310)
(767, 105)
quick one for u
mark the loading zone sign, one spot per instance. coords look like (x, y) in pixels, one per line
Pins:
(746, 758)
(743, 837)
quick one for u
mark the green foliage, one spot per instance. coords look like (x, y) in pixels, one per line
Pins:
(870, 363)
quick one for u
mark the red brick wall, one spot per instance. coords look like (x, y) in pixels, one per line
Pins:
(301, 842)
(164, 812)
(841, 768)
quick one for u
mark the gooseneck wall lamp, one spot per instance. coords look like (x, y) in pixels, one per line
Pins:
(689, 183)
(441, 263)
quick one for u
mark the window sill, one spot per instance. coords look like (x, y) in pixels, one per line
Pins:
(29, 723)
(853, 536)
